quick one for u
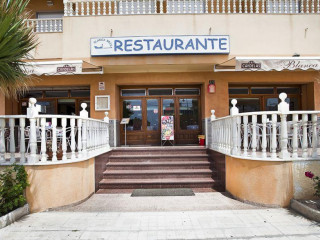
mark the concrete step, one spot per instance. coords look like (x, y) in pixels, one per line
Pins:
(169, 173)
(153, 165)
(157, 183)
(158, 157)
(159, 150)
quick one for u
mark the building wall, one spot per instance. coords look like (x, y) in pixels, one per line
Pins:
(53, 186)
(262, 182)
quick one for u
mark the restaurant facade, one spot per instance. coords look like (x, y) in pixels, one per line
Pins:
(147, 59)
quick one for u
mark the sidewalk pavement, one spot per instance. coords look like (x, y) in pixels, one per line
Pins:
(81, 222)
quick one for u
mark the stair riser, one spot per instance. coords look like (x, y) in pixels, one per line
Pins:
(167, 185)
(157, 159)
(158, 152)
(156, 176)
(134, 167)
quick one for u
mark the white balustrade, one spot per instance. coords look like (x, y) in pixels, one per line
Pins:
(122, 7)
(45, 25)
(274, 135)
(51, 138)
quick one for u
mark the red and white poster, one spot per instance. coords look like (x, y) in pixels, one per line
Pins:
(167, 128)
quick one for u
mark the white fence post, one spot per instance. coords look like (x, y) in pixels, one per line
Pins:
(2, 140)
(32, 114)
(283, 108)
(234, 111)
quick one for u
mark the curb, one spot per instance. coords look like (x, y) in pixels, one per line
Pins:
(305, 210)
(14, 216)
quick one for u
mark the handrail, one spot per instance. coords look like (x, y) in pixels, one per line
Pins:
(51, 139)
(247, 136)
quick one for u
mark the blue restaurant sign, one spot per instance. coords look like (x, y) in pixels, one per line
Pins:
(156, 45)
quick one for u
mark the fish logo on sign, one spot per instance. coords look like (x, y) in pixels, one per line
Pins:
(102, 43)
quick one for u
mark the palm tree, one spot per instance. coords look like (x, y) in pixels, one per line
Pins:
(16, 41)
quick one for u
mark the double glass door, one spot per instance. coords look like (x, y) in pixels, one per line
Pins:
(145, 113)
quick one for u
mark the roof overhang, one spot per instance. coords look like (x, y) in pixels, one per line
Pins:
(240, 64)
(71, 67)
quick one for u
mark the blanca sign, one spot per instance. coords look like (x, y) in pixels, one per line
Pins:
(158, 45)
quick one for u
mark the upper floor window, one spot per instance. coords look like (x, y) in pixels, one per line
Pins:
(48, 15)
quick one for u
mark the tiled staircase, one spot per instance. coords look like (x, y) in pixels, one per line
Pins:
(158, 167)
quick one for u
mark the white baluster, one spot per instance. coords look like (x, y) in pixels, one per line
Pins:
(109, 6)
(274, 136)
(55, 26)
(50, 25)
(254, 136)
(127, 6)
(156, 7)
(245, 135)
(284, 137)
(65, 9)
(77, 9)
(304, 135)
(262, 5)
(161, 6)
(314, 119)
(312, 6)
(274, 7)
(64, 139)
(132, 6)
(82, 8)
(93, 8)
(149, 6)
(297, 6)
(79, 145)
(223, 6)
(73, 139)
(84, 137)
(88, 8)
(228, 6)
(54, 139)
(239, 135)
(234, 7)
(143, 7)
(206, 8)
(115, 7)
(302, 6)
(307, 6)
(251, 6)
(211, 3)
(172, 6)
(279, 6)
(190, 7)
(295, 136)
(264, 136)
(318, 6)
(70, 9)
(43, 140)
(184, 6)
(257, 6)
(99, 8)
(12, 140)
(2, 140)
(285, 6)
(290, 6)
(268, 6)
(178, 5)
(218, 6)
(240, 6)
(245, 6)
(104, 4)
(120, 7)
(22, 123)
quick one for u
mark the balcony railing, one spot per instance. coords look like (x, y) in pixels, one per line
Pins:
(45, 25)
(51, 139)
(123, 7)
(271, 135)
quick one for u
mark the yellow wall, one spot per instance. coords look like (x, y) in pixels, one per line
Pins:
(59, 185)
(263, 182)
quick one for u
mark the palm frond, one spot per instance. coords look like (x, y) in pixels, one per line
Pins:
(16, 41)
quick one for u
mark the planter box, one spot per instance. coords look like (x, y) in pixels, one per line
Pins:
(13, 216)
(303, 209)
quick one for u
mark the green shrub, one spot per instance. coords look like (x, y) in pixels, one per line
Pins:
(13, 182)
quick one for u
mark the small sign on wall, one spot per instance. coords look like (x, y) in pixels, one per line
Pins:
(102, 86)
(211, 86)
(102, 103)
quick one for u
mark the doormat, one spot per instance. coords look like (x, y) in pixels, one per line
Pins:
(159, 192)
